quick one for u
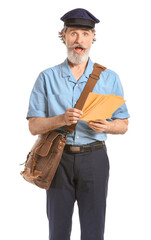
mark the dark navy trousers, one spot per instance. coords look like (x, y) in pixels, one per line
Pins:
(81, 177)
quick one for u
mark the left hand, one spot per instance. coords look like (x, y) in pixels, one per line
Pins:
(99, 125)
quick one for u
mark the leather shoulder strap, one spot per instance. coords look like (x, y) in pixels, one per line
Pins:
(93, 78)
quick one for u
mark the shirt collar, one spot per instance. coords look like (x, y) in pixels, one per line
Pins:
(66, 72)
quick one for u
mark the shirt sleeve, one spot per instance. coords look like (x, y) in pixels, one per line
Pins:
(121, 112)
(38, 105)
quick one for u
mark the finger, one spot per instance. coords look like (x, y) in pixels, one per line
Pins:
(78, 111)
(97, 129)
(75, 110)
(102, 121)
(97, 126)
(74, 114)
(74, 119)
(72, 122)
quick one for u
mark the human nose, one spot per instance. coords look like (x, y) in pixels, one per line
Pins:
(79, 39)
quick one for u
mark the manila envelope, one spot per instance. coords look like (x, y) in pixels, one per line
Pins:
(98, 106)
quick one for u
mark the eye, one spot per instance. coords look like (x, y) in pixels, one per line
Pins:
(73, 33)
(85, 34)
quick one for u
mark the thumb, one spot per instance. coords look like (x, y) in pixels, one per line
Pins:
(100, 121)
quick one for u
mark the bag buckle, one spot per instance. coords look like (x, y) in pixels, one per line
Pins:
(66, 132)
(96, 77)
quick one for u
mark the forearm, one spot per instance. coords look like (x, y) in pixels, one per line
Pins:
(117, 126)
(40, 125)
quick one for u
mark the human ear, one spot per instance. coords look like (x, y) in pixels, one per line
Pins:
(93, 35)
(64, 36)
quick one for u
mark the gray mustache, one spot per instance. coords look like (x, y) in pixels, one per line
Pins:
(77, 45)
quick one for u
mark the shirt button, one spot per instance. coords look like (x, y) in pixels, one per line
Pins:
(77, 136)
(77, 85)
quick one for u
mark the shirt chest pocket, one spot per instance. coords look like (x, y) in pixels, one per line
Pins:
(57, 104)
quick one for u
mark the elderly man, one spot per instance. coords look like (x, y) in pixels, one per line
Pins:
(81, 176)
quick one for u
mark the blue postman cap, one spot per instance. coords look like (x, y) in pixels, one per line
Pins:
(80, 18)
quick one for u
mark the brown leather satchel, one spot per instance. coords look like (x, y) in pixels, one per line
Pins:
(45, 155)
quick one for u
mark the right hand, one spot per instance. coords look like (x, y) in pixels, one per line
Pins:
(72, 115)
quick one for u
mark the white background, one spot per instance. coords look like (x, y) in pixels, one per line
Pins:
(29, 44)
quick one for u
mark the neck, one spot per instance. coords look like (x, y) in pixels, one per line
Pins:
(78, 69)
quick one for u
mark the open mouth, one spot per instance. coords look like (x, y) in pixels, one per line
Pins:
(79, 50)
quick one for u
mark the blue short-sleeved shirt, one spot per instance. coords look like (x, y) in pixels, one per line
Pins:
(56, 89)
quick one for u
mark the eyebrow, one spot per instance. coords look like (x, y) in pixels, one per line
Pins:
(75, 29)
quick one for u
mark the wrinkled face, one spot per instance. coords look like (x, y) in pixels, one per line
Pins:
(78, 42)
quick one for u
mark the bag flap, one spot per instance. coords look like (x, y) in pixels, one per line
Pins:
(44, 147)
(52, 135)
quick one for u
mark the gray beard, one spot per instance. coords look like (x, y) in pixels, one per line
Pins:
(76, 58)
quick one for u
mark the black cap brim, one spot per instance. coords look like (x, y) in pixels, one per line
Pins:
(80, 23)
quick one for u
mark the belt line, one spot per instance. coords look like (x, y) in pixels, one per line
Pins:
(84, 148)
